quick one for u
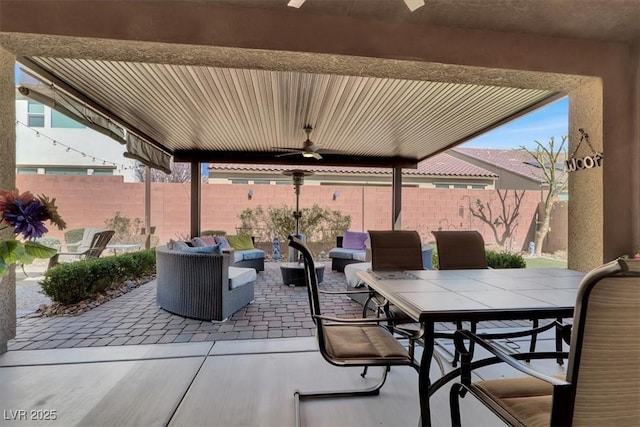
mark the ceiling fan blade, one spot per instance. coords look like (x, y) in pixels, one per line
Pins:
(317, 156)
(295, 153)
(411, 4)
(288, 149)
(295, 3)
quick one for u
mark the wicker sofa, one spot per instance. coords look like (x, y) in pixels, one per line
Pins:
(201, 286)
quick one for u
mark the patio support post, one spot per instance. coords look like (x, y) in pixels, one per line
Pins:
(147, 206)
(7, 182)
(396, 202)
(196, 196)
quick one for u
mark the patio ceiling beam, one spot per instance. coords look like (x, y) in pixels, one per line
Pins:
(269, 158)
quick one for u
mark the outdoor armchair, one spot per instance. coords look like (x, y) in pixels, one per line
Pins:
(98, 244)
(601, 386)
(349, 342)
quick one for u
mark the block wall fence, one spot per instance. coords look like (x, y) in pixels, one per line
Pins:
(88, 201)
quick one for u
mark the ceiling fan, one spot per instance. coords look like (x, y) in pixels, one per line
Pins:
(309, 149)
(411, 4)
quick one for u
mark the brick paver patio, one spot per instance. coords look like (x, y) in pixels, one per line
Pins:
(134, 318)
(279, 311)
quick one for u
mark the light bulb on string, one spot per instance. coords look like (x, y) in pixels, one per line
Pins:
(68, 149)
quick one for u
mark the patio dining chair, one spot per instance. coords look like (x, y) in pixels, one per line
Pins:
(601, 385)
(461, 250)
(98, 244)
(349, 342)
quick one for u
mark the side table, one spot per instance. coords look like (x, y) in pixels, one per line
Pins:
(293, 273)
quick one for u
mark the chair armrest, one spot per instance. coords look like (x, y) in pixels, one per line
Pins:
(361, 321)
(74, 253)
(466, 355)
(363, 291)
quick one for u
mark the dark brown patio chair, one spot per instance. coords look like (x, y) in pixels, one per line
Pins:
(349, 342)
(460, 250)
(98, 245)
(602, 383)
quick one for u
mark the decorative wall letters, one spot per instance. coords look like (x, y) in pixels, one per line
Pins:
(573, 164)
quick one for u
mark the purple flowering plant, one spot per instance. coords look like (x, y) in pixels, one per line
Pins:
(26, 215)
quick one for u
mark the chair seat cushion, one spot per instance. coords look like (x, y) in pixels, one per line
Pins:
(239, 276)
(528, 399)
(343, 253)
(369, 342)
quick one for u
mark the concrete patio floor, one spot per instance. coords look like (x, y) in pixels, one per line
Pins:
(136, 364)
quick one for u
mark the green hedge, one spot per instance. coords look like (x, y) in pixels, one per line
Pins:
(494, 259)
(505, 260)
(70, 283)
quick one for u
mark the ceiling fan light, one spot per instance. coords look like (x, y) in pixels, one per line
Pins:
(307, 154)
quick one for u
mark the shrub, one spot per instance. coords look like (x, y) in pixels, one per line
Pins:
(317, 223)
(495, 259)
(124, 228)
(505, 260)
(72, 282)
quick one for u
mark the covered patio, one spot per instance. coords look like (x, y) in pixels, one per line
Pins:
(148, 67)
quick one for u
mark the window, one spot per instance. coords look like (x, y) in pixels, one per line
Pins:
(28, 171)
(65, 171)
(59, 120)
(460, 186)
(478, 186)
(239, 181)
(103, 172)
(35, 118)
(439, 185)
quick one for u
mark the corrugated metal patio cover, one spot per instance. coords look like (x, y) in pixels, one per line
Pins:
(210, 111)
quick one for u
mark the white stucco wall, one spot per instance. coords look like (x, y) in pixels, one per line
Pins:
(39, 151)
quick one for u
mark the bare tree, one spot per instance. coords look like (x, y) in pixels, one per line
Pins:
(505, 219)
(180, 172)
(549, 159)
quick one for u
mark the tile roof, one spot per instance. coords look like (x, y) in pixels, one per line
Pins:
(515, 160)
(439, 165)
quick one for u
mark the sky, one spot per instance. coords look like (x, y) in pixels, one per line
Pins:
(540, 125)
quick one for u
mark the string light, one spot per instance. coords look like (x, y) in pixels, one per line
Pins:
(119, 167)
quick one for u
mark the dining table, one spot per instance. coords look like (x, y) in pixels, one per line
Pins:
(431, 296)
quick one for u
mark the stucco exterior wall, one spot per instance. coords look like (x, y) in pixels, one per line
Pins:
(7, 182)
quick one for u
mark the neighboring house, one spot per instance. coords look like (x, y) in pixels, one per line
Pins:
(516, 169)
(440, 171)
(49, 143)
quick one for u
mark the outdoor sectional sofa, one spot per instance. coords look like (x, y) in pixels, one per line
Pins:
(241, 250)
(201, 285)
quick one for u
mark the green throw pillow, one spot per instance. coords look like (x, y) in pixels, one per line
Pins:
(240, 242)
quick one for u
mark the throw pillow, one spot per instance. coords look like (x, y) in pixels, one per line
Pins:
(223, 241)
(240, 242)
(203, 250)
(354, 240)
(198, 242)
(208, 240)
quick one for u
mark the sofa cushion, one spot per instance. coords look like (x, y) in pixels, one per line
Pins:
(240, 242)
(343, 253)
(204, 241)
(252, 254)
(239, 276)
(203, 249)
(354, 240)
(223, 241)
(360, 256)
